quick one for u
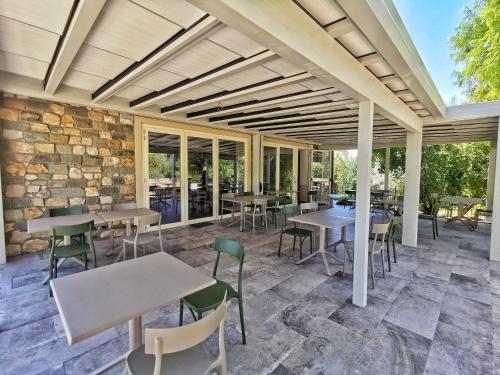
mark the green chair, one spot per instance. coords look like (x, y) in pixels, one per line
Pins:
(67, 211)
(58, 251)
(302, 233)
(209, 298)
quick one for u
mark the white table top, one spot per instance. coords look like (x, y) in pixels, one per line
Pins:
(461, 200)
(43, 224)
(117, 215)
(246, 198)
(325, 219)
(92, 301)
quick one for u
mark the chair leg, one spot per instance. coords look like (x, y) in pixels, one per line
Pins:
(242, 321)
(436, 224)
(311, 243)
(293, 248)
(382, 257)
(181, 313)
(388, 255)
(433, 230)
(394, 250)
(265, 220)
(301, 241)
(85, 261)
(281, 240)
(370, 260)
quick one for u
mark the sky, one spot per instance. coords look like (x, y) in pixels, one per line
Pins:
(430, 24)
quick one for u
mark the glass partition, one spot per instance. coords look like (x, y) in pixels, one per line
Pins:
(165, 175)
(269, 171)
(321, 171)
(287, 179)
(200, 177)
(231, 166)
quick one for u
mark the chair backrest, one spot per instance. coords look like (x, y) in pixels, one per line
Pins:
(394, 222)
(380, 228)
(141, 221)
(233, 248)
(260, 202)
(171, 340)
(71, 230)
(124, 206)
(312, 195)
(310, 206)
(66, 211)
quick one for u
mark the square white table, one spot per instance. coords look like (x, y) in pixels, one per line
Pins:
(93, 301)
(242, 200)
(460, 202)
(324, 219)
(125, 215)
(42, 226)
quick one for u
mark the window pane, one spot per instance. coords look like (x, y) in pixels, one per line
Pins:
(200, 178)
(231, 166)
(287, 179)
(269, 169)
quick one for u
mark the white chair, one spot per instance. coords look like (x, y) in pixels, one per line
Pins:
(230, 206)
(258, 209)
(323, 201)
(180, 350)
(121, 226)
(142, 238)
(379, 232)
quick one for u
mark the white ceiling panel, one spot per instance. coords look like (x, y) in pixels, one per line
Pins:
(235, 41)
(178, 11)
(380, 69)
(225, 103)
(26, 40)
(84, 81)
(356, 43)
(325, 11)
(49, 15)
(119, 31)
(22, 65)
(279, 91)
(200, 92)
(170, 100)
(245, 78)
(200, 58)
(283, 67)
(99, 62)
(314, 84)
(159, 79)
(337, 96)
(397, 85)
(133, 92)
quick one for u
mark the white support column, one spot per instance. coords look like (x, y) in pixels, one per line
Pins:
(491, 175)
(362, 228)
(387, 167)
(256, 163)
(495, 226)
(412, 188)
(3, 252)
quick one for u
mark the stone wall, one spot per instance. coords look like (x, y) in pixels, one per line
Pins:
(59, 155)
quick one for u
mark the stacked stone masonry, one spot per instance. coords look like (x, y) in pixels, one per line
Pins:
(59, 155)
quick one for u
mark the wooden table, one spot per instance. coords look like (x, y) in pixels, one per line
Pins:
(242, 200)
(324, 219)
(93, 301)
(461, 202)
(42, 226)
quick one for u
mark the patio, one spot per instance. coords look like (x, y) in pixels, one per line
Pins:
(436, 312)
(165, 114)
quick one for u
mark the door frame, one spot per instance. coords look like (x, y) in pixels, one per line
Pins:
(144, 124)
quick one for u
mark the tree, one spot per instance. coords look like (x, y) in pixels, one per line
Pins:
(476, 49)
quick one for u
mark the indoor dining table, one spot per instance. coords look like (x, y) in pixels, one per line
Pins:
(325, 219)
(96, 300)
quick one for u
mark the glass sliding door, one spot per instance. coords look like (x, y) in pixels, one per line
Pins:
(269, 169)
(164, 182)
(287, 179)
(321, 171)
(200, 177)
(231, 166)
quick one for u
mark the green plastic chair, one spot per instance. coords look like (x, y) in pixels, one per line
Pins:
(209, 298)
(302, 233)
(58, 251)
(67, 211)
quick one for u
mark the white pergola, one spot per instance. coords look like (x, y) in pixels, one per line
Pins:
(333, 73)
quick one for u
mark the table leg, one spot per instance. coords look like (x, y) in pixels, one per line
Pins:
(321, 250)
(242, 217)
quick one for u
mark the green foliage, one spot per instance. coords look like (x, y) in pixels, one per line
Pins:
(449, 169)
(160, 165)
(345, 171)
(476, 49)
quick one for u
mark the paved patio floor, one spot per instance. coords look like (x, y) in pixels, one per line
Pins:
(437, 312)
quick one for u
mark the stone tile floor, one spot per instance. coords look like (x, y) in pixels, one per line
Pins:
(437, 312)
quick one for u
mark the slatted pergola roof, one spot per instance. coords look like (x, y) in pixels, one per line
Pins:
(173, 60)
